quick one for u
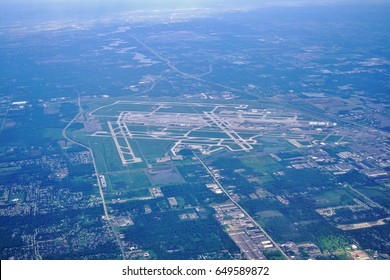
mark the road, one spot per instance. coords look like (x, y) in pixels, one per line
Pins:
(106, 215)
(184, 74)
(35, 245)
(239, 206)
(5, 116)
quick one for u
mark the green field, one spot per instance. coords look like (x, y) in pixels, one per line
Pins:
(282, 229)
(333, 138)
(129, 181)
(269, 214)
(152, 149)
(209, 134)
(177, 109)
(262, 165)
(332, 198)
(165, 175)
(138, 128)
(106, 155)
(115, 109)
(53, 133)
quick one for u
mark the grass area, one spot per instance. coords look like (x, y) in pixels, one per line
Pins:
(263, 165)
(288, 155)
(129, 181)
(81, 183)
(139, 195)
(269, 214)
(333, 198)
(331, 243)
(262, 193)
(306, 106)
(233, 146)
(273, 255)
(106, 155)
(53, 133)
(282, 229)
(181, 201)
(115, 109)
(152, 149)
(209, 134)
(257, 148)
(319, 136)
(175, 130)
(177, 109)
(247, 135)
(137, 128)
(202, 108)
(304, 143)
(333, 138)
(166, 175)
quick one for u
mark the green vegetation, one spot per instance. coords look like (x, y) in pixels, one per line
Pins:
(263, 165)
(166, 175)
(269, 214)
(289, 155)
(106, 155)
(177, 109)
(181, 239)
(115, 109)
(152, 149)
(282, 229)
(333, 138)
(377, 193)
(332, 243)
(54, 191)
(53, 133)
(129, 181)
(332, 198)
(273, 255)
(209, 134)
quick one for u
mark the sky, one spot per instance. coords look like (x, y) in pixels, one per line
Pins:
(170, 3)
(39, 10)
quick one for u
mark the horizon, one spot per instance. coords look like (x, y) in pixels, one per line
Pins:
(33, 11)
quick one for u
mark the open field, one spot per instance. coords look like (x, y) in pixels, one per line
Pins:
(331, 198)
(129, 181)
(265, 164)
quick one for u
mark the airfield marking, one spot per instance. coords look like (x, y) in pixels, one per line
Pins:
(123, 150)
(225, 119)
(226, 122)
(228, 131)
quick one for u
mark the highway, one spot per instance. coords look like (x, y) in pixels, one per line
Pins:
(184, 74)
(107, 217)
(5, 115)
